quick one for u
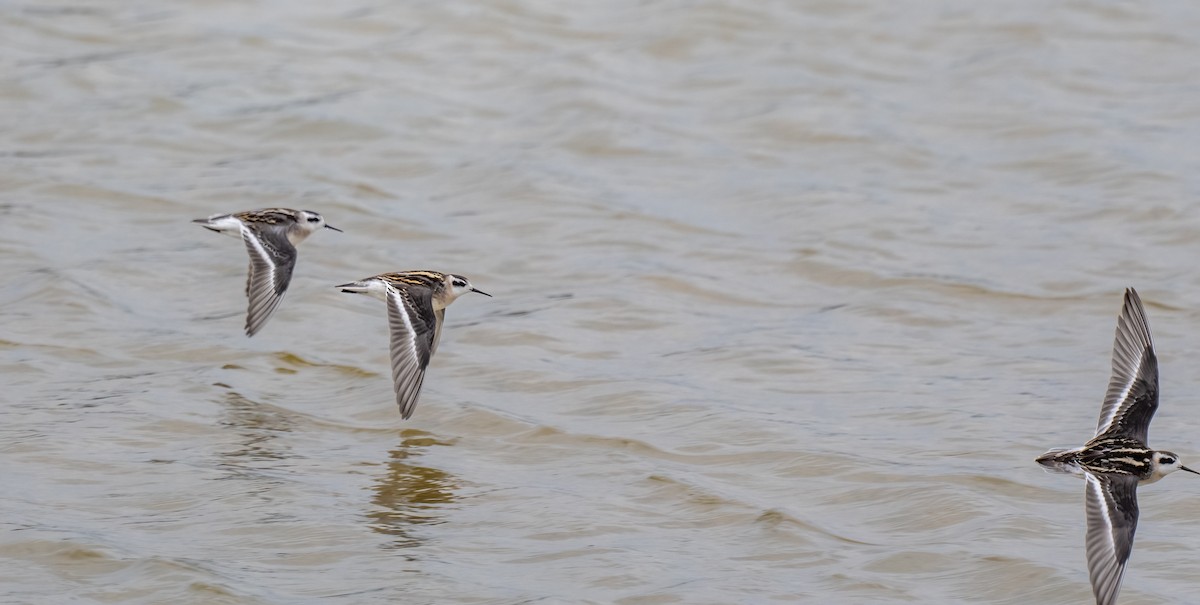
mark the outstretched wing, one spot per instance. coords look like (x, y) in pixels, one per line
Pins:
(413, 326)
(1132, 394)
(272, 258)
(1112, 515)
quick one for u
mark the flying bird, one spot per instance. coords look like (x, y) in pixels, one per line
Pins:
(271, 236)
(416, 304)
(1117, 459)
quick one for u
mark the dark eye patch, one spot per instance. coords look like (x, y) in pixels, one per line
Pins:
(460, 283)
(314, 219)
(1167, 460)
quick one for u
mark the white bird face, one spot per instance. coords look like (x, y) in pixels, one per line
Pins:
(457, 285)
(1166, 463)
(307, 222)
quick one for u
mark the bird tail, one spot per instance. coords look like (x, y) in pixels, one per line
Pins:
(358, 287)
(221, 223)
(1061, 460)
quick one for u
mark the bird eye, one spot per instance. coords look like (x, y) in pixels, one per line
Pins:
(314, 219)
(1167, 460)
(458, 283)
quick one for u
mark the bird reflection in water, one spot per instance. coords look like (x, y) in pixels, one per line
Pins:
(258, 425)
(407, 494)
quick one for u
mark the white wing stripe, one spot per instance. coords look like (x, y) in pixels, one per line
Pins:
(1132, 360)
(263, 296)
(248, 235)
(407, 372)
(1104, 567)
(410, 332)
(1105, 508)
(1131, 376)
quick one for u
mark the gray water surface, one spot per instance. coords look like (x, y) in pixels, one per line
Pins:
(788, 296)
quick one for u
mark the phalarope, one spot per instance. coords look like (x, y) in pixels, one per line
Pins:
(271, 236)
(416, 303)
(1117, 459)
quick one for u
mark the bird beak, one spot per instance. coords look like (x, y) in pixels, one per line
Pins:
(328, 226)
(489, 296)
(1184, 468)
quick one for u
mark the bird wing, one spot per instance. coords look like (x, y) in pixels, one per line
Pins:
(440, 316)
(413, 327)
(272, 258)
(1132, 395)
(1112, 514)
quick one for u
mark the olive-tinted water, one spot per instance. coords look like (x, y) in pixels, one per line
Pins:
(788, 296)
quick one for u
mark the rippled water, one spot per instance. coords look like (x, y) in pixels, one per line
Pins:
(788, 296)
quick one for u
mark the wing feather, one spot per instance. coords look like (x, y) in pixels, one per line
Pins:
(1112, 514)
(272, 258)
(413, 327)
(1132, 396)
